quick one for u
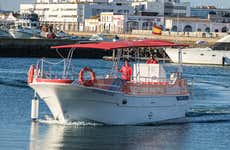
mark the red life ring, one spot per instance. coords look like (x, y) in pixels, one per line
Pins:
(86, 82)
(30, 74)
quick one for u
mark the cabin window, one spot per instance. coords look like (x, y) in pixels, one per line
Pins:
(213, 55)
(202, 54)
(184, 52)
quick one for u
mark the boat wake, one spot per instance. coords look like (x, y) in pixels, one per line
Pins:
(51, 121)
(193, 116)
(195, 112)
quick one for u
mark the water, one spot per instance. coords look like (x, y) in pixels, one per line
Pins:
(206, 127)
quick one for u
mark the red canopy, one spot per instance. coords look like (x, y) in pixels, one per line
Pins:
(123, 44)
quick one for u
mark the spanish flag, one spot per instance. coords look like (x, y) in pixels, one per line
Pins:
(157, 30)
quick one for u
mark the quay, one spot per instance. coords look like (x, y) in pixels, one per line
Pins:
(140, 34)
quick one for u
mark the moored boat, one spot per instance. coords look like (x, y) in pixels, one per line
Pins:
(152, 95)
(4, 33)
(218, 54)
(27, 26)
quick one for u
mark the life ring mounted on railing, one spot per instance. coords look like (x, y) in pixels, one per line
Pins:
(86, 82)
(30, 74)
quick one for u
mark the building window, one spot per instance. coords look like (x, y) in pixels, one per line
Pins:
(187, 28)
(224, 29)
(174, 29)
(207, 29)
(198, 30)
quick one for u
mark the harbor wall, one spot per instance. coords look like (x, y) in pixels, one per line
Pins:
(41, 48)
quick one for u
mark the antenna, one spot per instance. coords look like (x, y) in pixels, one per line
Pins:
(34, 6)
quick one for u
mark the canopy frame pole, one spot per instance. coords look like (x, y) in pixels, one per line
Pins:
(67, 62)
(180, 68)
(114, 63)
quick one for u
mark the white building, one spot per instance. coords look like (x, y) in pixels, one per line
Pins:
(62, 16)
(162, 7)
(213, 13)
(117, 23)
(92, 24)
(112, 22)
(151, 6)
(143, 22)
(191, 24)
(176, 8)
(70, 15)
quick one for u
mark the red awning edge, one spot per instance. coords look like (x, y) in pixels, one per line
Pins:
(122, 44)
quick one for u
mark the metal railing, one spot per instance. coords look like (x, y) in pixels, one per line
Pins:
(45, 69)
(180, 87)
(149, 86)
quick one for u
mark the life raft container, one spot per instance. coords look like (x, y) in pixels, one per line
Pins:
(30, 74)
(86, 82)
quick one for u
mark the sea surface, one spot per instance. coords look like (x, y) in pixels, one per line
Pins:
(206, 127)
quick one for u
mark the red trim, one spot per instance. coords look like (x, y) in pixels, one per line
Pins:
(30, 74)
(156, 83)
(67, 81)
(153, 83)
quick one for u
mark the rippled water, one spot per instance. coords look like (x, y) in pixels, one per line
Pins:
(206, 127)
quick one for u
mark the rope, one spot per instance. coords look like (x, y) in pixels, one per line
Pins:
(60, 54)
(52, 63)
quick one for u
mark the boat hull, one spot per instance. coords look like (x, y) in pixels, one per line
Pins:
(4, 34)
(205, 56)
(73, 102)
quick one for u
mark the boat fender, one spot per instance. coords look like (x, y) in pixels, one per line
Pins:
(30, 74)
(86, 82)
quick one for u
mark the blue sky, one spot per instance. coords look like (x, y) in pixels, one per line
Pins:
(14, 4)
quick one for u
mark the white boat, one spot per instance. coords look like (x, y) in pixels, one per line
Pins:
(218, 54)
(151, 96)
(27, 26)
(64, 36)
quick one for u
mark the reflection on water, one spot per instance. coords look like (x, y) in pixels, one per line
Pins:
(176, 136)
(52, 138)
(57, 137)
